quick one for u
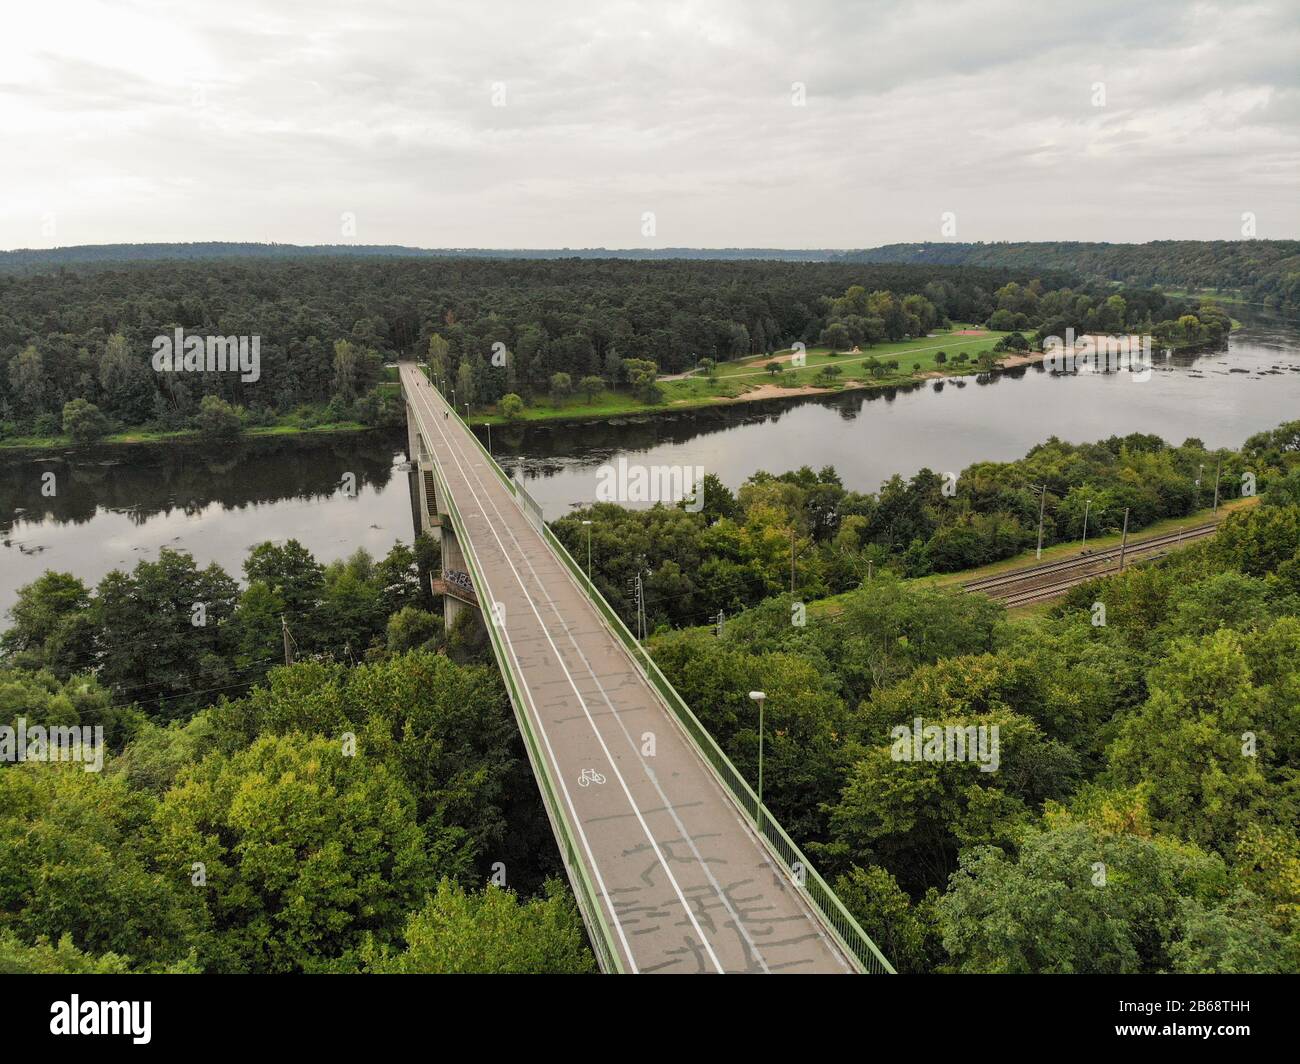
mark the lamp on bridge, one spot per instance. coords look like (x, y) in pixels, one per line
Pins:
(760, 697)
(588, 524)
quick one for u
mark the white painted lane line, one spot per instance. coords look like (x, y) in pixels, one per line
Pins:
(596, 731)
(654, 844)
(632, 744)
(568, 798)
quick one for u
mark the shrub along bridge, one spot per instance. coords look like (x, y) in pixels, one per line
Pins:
(673, 866)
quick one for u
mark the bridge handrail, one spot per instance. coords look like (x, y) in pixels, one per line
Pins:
(602, 938)
(505, 478)
(855, 942)
(852, 939)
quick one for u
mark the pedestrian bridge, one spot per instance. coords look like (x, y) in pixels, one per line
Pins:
(674, 866)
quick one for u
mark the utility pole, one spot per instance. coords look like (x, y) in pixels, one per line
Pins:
(1086, 508)
(287, 638)
(1218, 469)
(1042, 506)
(588, 524)
(1123, 543)
(721, 619)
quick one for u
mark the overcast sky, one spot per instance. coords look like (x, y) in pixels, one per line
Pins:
(169, 120)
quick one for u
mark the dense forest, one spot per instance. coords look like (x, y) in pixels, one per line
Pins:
(737, 549)
(1142, 815)
(1262, 271)
(76, 344)
(230, 832)
(338, 814)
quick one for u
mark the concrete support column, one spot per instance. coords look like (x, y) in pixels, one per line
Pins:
(430, 513)
(452, 558)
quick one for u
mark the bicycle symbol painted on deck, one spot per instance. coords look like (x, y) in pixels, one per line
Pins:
(590, 776)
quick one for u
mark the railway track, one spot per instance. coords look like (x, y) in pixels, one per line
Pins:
(1039, 583)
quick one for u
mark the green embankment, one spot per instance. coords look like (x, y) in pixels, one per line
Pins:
(742, 380)
(300, 422)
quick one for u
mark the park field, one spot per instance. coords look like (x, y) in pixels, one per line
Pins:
(751, 379)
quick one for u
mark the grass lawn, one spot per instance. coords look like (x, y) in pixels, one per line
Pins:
(732, 380)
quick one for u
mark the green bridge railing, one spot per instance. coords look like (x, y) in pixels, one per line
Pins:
(599, 931)
(855, 942)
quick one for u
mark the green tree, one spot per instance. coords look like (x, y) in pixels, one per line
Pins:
(439, 356)
(218, 421)
(84, 422)
(290, 572)
(1191, 739)
(491, 932)
(1073, 900)
(411, 628)
(167, 634)
(836, 337)
(905, 933)
(74, 862)
(50, 625)
(561, 387)
(643, 376)
(511, 407)
(306, 853)
(1232, 937)
(346, 370)
(28, 380)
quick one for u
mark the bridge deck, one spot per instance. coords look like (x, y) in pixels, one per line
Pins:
(685, 883)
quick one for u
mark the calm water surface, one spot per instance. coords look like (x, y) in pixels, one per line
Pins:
(118, 505)
(1221, 397)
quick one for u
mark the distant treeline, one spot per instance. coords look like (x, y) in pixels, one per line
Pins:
(86, 333)
(82, 254)
(1264, 271)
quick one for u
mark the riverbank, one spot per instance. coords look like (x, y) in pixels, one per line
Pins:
(286, 426)
(766, 377)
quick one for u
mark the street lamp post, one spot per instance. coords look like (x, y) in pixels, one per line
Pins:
(760, 697)
(1086, 508)
(588, 524)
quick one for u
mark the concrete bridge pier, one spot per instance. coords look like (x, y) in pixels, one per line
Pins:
(452, 582)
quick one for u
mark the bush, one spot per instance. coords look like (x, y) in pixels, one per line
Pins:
(511, 407)
(84, 422)
(217, 420)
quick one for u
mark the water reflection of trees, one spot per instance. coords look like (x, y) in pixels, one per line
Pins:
(143, 481)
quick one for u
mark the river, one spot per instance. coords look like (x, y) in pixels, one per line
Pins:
(114, 506)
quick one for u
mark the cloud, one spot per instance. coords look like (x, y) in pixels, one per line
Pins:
(147, 120)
